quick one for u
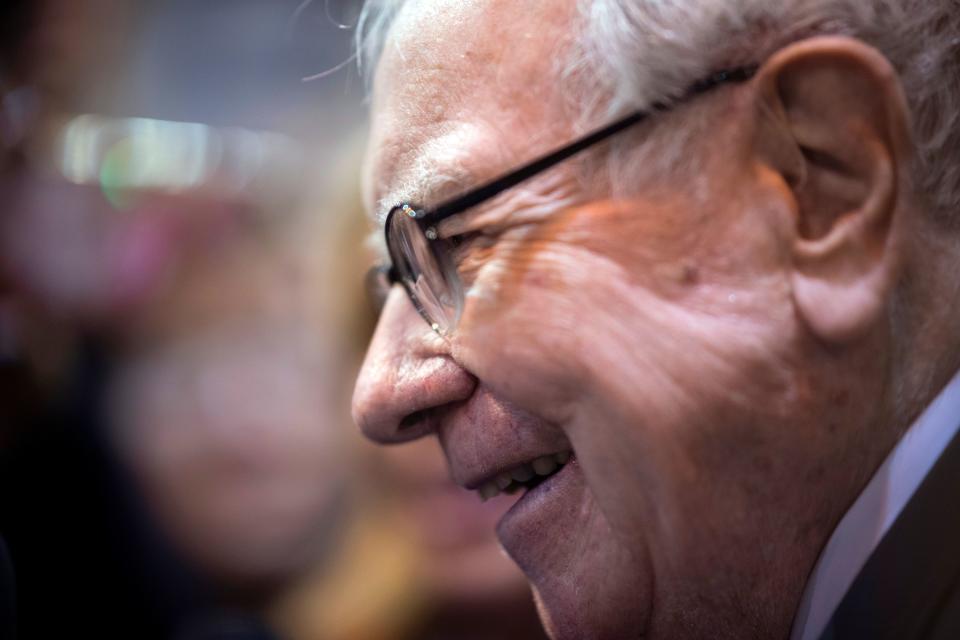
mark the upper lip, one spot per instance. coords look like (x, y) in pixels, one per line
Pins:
(485, 437)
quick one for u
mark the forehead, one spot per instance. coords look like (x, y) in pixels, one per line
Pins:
(464, 89)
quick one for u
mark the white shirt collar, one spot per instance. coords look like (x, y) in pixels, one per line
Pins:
(875, 510)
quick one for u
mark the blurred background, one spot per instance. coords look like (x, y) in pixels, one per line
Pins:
(182, 257)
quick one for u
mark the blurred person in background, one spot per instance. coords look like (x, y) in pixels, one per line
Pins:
(106, 219)
(223, 403)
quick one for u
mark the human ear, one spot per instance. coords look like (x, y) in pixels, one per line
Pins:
(834, 126)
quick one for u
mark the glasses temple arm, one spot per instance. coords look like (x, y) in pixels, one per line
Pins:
(493, 188)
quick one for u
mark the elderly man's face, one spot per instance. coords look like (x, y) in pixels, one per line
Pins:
(648, 332)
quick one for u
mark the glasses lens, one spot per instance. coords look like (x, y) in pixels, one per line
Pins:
(426, 270)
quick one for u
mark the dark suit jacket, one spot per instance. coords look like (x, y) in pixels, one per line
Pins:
(909, 588)
(7, 594)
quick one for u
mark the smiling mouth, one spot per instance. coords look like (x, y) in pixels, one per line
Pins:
(524, 476)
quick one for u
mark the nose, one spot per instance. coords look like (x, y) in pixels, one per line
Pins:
(407, 374)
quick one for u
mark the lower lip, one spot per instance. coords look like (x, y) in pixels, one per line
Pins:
(449, 518)
(542, 506)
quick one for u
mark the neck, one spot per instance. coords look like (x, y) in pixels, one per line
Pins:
(925, 326)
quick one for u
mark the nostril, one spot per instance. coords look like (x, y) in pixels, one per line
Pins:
(400, 398)
(415, 419)
(424, 421)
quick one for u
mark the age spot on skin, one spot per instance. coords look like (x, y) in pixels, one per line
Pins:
(686, 273)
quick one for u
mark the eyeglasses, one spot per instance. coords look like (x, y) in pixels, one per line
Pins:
(423, 262)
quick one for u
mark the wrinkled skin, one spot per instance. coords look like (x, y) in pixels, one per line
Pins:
(657, 334)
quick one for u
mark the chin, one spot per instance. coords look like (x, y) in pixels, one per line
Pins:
(588, 582)
(573, 621)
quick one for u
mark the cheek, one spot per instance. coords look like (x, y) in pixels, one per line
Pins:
(549, 298)
(525, 326)
(646, 365)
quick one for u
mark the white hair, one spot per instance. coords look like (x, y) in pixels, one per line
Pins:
(634, 52)
(371, 32)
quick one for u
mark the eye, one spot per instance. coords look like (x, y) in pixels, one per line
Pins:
(463, 238)
(469, 252)
(461, 245)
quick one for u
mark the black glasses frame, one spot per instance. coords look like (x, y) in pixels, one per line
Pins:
(427, 219)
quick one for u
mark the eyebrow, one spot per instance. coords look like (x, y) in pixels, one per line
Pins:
(428, 172)
(430, 184)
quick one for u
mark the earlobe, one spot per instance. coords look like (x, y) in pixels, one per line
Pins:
(834, 125)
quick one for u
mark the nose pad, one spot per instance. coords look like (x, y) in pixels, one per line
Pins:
(407, 376)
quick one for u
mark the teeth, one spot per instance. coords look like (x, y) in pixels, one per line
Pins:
(489, 490)
(512, 481)
(522, 473)
(545, 466)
